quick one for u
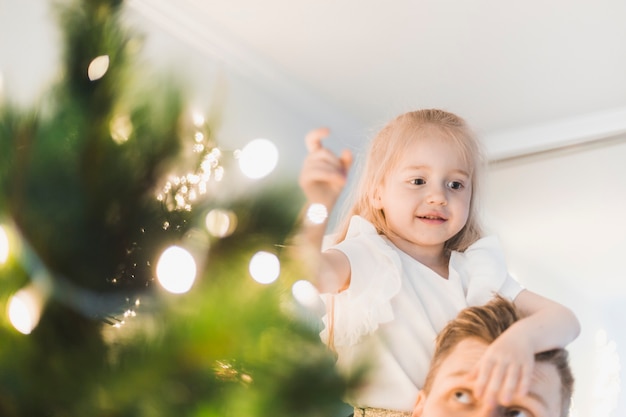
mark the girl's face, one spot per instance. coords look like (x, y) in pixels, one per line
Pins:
(426, 196)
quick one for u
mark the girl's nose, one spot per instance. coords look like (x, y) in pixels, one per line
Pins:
(437, 195)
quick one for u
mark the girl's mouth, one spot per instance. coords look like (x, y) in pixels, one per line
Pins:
(432, 218)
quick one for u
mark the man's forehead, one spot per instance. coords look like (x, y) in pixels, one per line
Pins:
(546, 384)
(463, 357)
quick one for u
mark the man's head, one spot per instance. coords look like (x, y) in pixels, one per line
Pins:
(460, 345)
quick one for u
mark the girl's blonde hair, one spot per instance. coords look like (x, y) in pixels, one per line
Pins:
(385, 151)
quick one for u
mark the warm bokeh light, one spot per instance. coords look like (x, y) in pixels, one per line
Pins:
(220, 223)
(24, 309)
(121, 128)
(180, 192)
(198, 119)
(258, 158)
(317, 213)
(176, 270)
(264, 267)
(98, 67)
(305, 293)
(4, 245)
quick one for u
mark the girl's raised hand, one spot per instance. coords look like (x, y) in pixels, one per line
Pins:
(505, 369)
(323, 173)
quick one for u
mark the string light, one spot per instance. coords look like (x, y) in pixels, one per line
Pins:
(264, 267)
(198, 119)
(4, 245)
(176, 270)
(258, 158)
(220, 223)
(98, 67)
(305, 293)
(121, 128)
(24, 309)
(317, 213)
(180, 192)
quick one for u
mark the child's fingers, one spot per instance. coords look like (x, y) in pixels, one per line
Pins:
(325, 160)
(322, 177)
(510, 385)
(325, 171)
(481, 374)
(492, 388)
(524, 381)
(346, 159)
(313, 139)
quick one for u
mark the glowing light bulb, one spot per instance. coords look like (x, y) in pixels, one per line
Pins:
(305, 293)
(198, 119)
(176, 270)
(98, 67)
(221, 223)
(24, 309)
(264, 267)
(121, 128)
(317, 213)
(4, 245)
(258, 158)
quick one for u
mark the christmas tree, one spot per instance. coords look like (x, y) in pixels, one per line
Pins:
(126, 266)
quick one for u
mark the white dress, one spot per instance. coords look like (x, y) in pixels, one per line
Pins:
(389, 316)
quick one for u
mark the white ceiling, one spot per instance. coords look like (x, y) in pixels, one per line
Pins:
(555, 69)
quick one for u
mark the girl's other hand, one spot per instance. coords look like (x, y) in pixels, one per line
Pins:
(504, 371)
(323, 175)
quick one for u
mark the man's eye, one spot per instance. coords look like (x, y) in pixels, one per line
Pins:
(455, 185)
(418, 181)
(516, 412)
(464, 397)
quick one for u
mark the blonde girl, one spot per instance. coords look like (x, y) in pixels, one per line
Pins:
(408, 257)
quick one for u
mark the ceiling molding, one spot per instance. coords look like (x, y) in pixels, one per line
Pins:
(514, 143)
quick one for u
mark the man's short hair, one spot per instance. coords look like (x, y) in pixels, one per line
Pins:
(486, 323)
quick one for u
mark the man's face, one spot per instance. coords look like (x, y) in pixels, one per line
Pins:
(451, 392)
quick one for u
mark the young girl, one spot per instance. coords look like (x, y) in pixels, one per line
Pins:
(409, 257)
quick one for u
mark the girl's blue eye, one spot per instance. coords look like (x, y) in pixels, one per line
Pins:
(455, 185)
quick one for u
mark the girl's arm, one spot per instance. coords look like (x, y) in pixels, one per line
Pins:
(322, 179)
(507, 366)
(328, 271)
(548, 324)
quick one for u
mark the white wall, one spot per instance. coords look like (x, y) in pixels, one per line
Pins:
(561, 216)
(28, 51)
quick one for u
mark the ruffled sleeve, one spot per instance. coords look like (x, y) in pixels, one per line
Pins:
(375, 280)
(484, 273)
